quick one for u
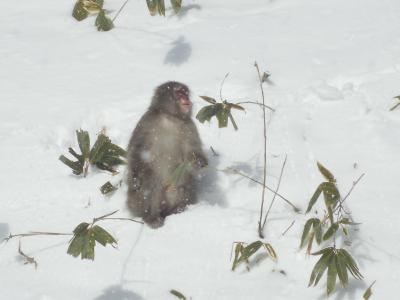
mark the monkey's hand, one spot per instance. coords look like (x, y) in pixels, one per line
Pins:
(199, 161)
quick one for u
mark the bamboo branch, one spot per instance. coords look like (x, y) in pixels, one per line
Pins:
(260, 233)
(277, 189)
(256, 103)
(33, 233)
(119, 11)
(235, 171)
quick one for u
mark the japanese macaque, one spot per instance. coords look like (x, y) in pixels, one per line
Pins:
(164, 156)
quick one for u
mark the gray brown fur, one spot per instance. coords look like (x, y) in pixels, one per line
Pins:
(164, 138)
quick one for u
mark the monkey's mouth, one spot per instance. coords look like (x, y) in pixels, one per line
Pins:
(184, 101)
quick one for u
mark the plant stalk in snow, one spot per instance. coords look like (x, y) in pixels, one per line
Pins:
(260, 227)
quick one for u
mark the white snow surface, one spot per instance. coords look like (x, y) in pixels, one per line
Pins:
(335, 68)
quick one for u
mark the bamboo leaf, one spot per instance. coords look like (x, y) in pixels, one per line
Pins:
(99, 148)
(116, 150)
(207, 112)
(102, 236)
(177, 294)
(326, 173)
(108, 188)
(320, 267)
(238, 252)
(76, 155)
(331, 231)
(249, 250)
(314, 198)
(88, 243)
(347, 221)
(341, 271)
(306, 231)
(209, 99)
(81, 228)
(83, 142)
(332, 273)
(310, 242)
(175, 179)
(395, 106)
(112, 160)
(222, 116)
(78, 241)
(368, 292)
(79, 12)
(331, 193)
(103, 22)
(76, 166)
(271, 252)
(93, 6)
(323, 251)
(318, 232)
(176, 5)
(152, 6)
(345, 231)
(235, 106)
(350, 263)
(105, 167)
(75, 246)
(161, 7)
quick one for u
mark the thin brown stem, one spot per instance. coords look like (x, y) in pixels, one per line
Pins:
(235, 171)
(256, 103)
(124, 219)
(352, 187)
(287, 229)
(394, 107)
(213, 151)
(340, 207)
(106, 217)
(33, 233)
(277, 189)
(28, 259)
(260, 233)
(119, 11)
(222, 84)
(103, 217)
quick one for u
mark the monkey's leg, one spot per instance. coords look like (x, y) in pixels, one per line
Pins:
(136, 202)
(155, 200)
(180, 198)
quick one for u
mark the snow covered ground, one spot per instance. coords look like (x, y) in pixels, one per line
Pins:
(335, 67)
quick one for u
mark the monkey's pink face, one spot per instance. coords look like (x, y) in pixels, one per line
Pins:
(185, 104)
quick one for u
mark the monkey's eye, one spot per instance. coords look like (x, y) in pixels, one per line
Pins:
(182, 94)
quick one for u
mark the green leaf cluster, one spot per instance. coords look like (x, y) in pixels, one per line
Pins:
(312, 230)
(338, 262)
(85, 238)
(83, 8)
(220, 110)
(104, 154)
(158, 6)
(243, 253)
(328, 189)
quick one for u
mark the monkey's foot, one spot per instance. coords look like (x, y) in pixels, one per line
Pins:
(154, 222)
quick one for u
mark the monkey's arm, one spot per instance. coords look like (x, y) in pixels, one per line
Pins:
(195, 153)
